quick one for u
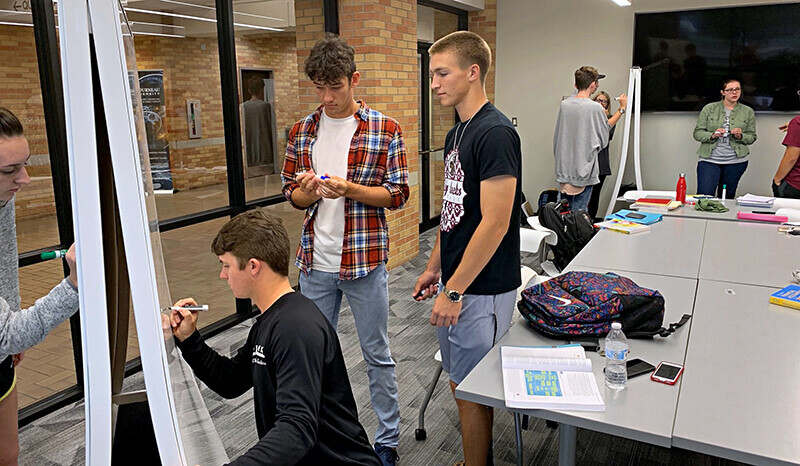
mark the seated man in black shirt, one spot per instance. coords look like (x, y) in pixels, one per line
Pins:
(304, 407)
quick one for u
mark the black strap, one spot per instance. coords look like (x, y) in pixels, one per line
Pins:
(662, 332)
(665, 332)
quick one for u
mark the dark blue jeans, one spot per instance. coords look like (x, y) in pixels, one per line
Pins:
(711, 176)
(785, 190)
(578, 201)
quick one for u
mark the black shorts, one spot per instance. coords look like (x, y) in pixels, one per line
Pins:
(7, 377)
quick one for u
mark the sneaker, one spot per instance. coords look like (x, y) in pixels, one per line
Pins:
(388, 455)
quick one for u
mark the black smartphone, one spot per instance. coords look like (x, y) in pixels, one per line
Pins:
(634, 215)
(590, 346)
(638, 367)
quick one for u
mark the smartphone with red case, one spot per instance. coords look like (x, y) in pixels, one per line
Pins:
(667, 372)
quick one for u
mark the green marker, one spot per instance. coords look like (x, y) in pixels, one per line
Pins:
(58, 253)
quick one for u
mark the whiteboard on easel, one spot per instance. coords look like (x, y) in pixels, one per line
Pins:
(85, 190)
(634, 96)
(183, 429)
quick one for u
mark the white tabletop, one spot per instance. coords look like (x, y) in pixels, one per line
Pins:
(644, 411)
(751, 253)
(671, 247)
(690, 212)
(740, 397)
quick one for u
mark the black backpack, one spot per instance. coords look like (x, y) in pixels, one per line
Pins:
(574, 229)
(548, 195)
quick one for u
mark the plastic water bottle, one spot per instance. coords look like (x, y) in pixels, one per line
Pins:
(616, 350)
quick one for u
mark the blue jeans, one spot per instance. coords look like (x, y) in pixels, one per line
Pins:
(711, 176)
(369, 301)
(579, 201)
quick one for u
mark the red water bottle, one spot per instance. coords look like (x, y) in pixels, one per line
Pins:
(680, 189)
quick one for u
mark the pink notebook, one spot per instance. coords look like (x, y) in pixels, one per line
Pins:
(762, 217)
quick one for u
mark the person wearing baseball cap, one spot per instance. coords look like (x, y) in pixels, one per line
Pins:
(582, 130)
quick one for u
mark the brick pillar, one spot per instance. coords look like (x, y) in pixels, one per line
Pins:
(384, 35)
(484, 23)
(310, 29)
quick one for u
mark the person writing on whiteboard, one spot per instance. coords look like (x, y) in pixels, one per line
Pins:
(21, 329)
(786, 182)
(582, 130)
(725, 130)
(304, 407)
(603, 159)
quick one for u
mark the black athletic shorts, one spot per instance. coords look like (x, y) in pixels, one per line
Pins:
(7, 377)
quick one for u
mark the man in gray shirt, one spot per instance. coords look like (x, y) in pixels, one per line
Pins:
(581, 132)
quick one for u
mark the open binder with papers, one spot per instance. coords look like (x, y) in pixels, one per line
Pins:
(549, 378)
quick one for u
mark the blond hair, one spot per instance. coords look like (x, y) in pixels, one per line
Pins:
(469, 48)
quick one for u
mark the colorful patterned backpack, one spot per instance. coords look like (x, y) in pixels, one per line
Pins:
(584, 304)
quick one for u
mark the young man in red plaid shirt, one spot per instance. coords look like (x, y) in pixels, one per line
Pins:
(345, 164)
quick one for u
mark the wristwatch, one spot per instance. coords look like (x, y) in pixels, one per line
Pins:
(453, 296)
(622, 110)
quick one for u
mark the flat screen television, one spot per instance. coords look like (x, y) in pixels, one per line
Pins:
(685, 56)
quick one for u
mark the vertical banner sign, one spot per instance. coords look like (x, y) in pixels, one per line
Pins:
(151, 84)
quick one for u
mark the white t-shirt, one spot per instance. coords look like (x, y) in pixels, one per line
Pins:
(329, 156)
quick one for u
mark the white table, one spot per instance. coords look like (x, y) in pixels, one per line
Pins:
(740, 397)
(644, 411)
(689, 211)
(671, 247)
(751, 253)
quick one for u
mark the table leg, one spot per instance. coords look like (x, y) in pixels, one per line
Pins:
(518, 432)
(567, 442)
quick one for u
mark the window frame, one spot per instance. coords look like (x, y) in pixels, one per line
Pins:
(47, 51)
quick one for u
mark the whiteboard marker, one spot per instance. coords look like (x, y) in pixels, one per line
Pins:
(204, 307)
(58, 253)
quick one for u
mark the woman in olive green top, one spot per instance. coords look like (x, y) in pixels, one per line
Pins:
(724, 130)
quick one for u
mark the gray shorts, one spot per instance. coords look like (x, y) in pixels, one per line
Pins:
(483, 320)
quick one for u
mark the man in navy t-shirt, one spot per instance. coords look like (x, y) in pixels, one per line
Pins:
(475, 264)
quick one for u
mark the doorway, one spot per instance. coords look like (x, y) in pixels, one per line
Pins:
(257, 114)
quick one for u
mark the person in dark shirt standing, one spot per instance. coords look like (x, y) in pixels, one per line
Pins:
(304, 406)
(476, 260)
(603, 159)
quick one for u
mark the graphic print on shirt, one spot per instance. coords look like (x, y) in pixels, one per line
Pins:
(453, 196)
(258, 355)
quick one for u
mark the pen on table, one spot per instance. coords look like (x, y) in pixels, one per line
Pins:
(58, 253)
(204, 307)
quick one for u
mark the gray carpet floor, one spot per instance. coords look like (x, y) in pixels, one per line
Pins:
(59, 437)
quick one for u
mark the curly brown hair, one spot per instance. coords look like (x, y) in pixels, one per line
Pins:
(330, 60)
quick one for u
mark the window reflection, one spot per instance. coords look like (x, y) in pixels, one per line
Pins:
(48, 367)
(19, 72)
